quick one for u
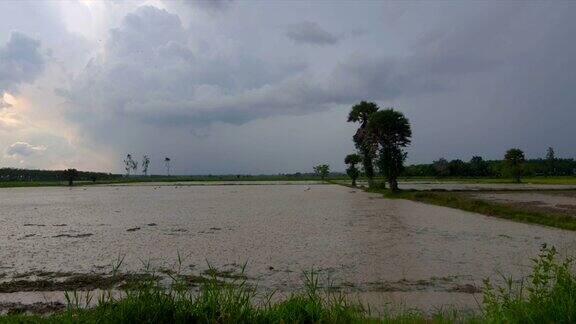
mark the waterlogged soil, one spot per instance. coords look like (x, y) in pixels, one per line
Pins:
(381, 251)
(456, 186)
(556, 202)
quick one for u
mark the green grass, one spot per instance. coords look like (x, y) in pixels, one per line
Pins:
(565, 180)
(461, 201)
(142, 179)
(560, 180)
(548, 295)
(216, 302)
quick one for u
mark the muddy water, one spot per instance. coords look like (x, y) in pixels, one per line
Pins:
(381, 250)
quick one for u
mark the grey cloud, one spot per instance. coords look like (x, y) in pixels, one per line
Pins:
(209, 5)
(149, 73)
(20, 61)
(24, 149)
(486, 64)
(145, 30)
(152, 75)
(311, 33)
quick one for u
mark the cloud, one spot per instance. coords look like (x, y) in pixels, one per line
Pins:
(159, 84)
(20, 61)
(210, 5)
(150, 74)
(311, 33)
(4, 103)
(24, 149)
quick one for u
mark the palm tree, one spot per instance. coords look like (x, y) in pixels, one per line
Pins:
(167, 165)
(392, 131)
(352, 171)
(363, 139)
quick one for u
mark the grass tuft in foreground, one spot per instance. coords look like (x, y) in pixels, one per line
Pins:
(548, 295)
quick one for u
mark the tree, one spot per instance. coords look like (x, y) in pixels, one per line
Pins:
(145, 164)
(130, 164)
(479, 167)
(322, 170)
(514, 163)
(364, 140)
(458, 168)
(551, 162)
(392, 131)
(441, 167)
(167, 165)
(351, 160)
(70, 175)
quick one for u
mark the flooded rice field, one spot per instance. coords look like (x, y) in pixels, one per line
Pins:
(383, 251)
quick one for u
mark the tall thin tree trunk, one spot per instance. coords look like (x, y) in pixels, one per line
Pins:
(368, 167)
(393, 184)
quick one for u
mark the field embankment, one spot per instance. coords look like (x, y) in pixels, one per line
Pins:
(539, 209)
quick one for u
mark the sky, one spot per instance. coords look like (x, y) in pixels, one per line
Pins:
(264, 87)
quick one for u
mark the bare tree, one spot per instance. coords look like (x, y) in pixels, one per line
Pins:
(145, 164)
(130, 164)
(167, 165)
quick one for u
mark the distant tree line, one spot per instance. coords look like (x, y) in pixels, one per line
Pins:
(13, 174)
(478, 167)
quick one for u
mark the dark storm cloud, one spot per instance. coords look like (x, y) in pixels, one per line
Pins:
(310, 33)
(209, 5)
(151, 74)
(20, 61)
(475, 78)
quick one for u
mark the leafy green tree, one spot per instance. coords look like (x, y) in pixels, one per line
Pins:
(441, 167)
(70, 175)
(551, 162)
(392, 131)
(322, 170)
(351, 160)
(514, 162)
(364, 140)
(479, 167)
(459, 168)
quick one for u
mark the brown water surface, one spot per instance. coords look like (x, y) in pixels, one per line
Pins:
(382, 250)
